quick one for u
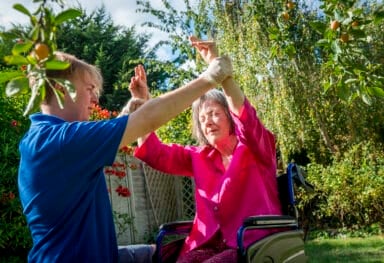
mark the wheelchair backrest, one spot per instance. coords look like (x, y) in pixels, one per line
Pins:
(286, 185)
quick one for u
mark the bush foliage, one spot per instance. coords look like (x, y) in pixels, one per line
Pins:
(14, 234)
(349, 193)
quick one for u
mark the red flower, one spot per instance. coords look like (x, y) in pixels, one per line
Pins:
(123, 191)
(133, 166)
(11, 196)
(14, 123)
(120, 174)
(128, 150)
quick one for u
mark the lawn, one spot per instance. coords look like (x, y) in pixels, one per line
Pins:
(346, 250)
(351, 250)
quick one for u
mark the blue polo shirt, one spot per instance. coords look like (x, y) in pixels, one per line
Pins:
(63, 190)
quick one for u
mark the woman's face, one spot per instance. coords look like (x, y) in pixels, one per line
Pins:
(214, 123)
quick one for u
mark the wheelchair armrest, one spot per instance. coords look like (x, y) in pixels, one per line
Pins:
(181, 227)
(169, 229)
(270, 221)
(264, 222)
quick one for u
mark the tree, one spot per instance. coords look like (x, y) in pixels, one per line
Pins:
(116, 50)
(283, 70)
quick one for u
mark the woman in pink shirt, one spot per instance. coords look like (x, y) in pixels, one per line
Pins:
(234, 167)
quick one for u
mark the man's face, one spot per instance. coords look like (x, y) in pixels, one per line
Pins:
(86, 96)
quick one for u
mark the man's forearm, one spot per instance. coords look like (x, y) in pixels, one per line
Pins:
(156, 112)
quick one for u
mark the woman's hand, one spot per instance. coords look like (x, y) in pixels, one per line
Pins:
(207, 49)
(138, 86)
(132, 105)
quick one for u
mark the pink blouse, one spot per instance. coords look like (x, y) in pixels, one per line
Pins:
(224, 198)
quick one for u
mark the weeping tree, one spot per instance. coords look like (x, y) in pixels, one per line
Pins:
(317, 91)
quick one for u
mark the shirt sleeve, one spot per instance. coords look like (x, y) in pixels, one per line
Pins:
(167, 158)
(95, 142)
(253, 133)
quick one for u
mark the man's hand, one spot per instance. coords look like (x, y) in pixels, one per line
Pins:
(218, 70)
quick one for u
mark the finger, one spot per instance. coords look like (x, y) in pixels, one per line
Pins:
(207, 43)
(193, 39)
(131, 84)
(142, 74)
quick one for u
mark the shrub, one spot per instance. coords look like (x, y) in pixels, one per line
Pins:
(14, 233)
(349, 193)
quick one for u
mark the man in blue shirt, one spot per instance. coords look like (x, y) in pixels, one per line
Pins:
(61, 181)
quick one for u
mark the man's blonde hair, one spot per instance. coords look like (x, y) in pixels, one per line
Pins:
(76, 70)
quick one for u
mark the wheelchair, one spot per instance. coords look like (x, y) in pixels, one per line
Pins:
(285, 246)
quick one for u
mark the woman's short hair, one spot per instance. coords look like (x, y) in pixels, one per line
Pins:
(212, 95)
(77, 69)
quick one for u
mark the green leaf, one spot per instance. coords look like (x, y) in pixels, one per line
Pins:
(327, 85)
(56, 65)
(16, 60)
(59, 96)
(336, 48)
(9, 35)
(338, 15)
(6, 76)
(343, 92)
(350, 81)
(376, 91)
(69, 86)
(21, 47)
(67, 15)
(366, 99)
(35, 99)
(358, 33)
(22, 9)
(318, 26)
(290, 50)
(323, 42)
(274, 36)
(16, 85)
(378, 17)
(34, 34)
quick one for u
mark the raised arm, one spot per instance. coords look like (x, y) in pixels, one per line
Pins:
(139, 91)
(156, 112)
(234, 94)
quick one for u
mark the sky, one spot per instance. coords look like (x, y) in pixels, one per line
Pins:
(122, 12)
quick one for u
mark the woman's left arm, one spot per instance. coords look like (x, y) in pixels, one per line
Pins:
(232, 91)
(235, 96)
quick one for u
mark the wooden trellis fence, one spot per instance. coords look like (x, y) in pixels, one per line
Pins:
(143, 198)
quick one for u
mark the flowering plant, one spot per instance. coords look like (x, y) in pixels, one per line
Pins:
(14, 233)
(122, 161)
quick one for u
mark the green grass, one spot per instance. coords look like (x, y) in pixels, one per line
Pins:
(341, 250)
(351, 250)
